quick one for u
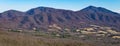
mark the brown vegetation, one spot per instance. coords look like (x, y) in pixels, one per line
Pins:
(19, 39)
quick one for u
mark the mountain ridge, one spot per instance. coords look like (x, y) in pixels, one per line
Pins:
(42, 17)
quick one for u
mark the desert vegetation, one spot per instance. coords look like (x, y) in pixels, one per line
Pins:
(20, 39)
(89, 36)
(55, 38)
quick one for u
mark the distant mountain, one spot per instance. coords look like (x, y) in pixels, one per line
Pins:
(101, 16)
(43, 17)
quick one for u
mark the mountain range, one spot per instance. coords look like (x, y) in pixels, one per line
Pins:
(43, 17)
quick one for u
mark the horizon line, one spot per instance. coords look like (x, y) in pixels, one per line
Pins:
(54, 8)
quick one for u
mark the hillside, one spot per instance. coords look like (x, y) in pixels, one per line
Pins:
(42, 17)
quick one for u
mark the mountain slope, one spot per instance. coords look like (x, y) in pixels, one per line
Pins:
(43, 17)
(101, 16)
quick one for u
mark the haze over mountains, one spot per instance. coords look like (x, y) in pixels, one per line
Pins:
(42, 17)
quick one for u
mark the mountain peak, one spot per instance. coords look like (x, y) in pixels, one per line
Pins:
(44, 7)
(91, 7)
(11, 11)
(39, 10)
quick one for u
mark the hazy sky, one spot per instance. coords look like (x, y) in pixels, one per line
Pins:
(24, 5)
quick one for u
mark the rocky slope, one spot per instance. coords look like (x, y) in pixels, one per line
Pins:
(43, 17)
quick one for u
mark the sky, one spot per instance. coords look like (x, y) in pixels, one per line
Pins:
(75, 5)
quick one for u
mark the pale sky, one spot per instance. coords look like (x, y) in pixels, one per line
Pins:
(75, 5)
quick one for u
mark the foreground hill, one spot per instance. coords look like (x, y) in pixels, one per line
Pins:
(43, 17)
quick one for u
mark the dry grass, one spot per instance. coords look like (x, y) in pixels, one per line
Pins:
(19, 39)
